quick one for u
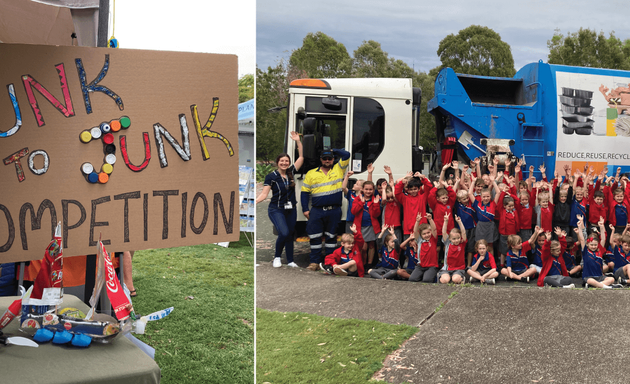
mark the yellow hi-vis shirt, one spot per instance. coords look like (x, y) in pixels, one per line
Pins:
(324, 189)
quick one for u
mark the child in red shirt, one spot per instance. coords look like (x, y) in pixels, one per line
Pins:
(483, 267)
(426, 234)
(455, 253)
(441, 201)
(544, 209)
(415, 202)
(366, 209)
(346, 260)
(509, 222)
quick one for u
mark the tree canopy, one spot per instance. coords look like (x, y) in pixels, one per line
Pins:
(321, 56)
(272, 89)
(246, 88)
(477, 50)
(587, 48)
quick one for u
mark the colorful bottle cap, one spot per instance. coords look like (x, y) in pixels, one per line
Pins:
(93, 177)
(125, 122)
(103, 177)
(87, 168)
(108, 138)
(110, 148)
(96, 132)
(105, 127)
(115, 125)
(110, 159)
(107, 168)
(86, 136)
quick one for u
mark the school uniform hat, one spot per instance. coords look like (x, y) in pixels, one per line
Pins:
(326, 153)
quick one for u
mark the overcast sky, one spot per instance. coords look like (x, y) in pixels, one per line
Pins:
(411, 30)
(190, 26)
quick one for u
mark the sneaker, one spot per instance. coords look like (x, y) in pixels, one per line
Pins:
(327, 269)
(277, 262)
(569, 286)
(617, 286)
(525, 279)
(585, 285)
(490, 281)
(622, 280)
(313, 267)
(340, 271)
(292, 265)
(609, 274)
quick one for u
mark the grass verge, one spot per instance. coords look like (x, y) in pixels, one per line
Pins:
(209, 336)
(296, 347)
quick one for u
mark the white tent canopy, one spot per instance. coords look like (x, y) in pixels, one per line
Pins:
(246, 129)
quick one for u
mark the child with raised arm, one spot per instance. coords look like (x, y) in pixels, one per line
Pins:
(554, 273)
(455, 250)
(427, 268)
(391, 211)
(350, 195)
(579, 203)
(388, 250)
(544, 207)
(509, 222)
(485, 210)
(592, 257)
(536, 252)
(366, 209)
(483, 267)
(410, 252)
(562, 197)
(618, 211)
(597, 205)
(346, 260)
(622, 260)
(415, 202)
(518, 267)
(464, 209)
(570, 261)
(441, 200)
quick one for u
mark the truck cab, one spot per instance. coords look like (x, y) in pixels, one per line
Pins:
(376, 120)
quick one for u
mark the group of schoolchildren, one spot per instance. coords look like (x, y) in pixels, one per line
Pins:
(449, 230)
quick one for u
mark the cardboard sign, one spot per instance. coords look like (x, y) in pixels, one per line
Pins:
(137, 147)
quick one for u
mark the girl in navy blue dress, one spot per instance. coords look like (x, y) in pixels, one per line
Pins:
(282, 211)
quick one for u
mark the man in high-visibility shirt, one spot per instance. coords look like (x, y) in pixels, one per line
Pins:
(323, 186)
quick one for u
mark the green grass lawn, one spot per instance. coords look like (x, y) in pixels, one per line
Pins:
(209, 336)
(296, 347)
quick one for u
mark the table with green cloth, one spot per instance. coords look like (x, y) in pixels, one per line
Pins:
(118, 362)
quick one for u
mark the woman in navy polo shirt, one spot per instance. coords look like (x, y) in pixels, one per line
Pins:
(282, 212)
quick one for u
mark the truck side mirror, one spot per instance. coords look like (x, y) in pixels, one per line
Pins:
(332, 103)
(417, 96)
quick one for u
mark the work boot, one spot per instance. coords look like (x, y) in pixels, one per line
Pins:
(313, 267)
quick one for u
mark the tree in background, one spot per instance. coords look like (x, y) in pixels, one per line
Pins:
(272, 89)
(370, 60)
(586, 48)
(246, 88)
(321, 56)
(477, 50)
